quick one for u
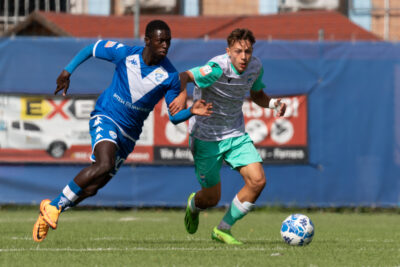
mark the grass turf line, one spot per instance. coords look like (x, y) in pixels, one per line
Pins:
(158, 238)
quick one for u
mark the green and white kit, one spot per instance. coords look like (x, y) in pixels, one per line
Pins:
(222, 135)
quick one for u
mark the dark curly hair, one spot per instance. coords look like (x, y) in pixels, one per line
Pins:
(156, 25)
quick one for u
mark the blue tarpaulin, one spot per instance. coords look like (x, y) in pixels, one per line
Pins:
(353, 94)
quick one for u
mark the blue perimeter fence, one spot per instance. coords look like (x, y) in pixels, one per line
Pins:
(353, 92)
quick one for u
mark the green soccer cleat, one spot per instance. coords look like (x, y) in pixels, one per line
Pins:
(191, 219)
(224, 236)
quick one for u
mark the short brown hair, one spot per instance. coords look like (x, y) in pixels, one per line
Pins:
(240, 34)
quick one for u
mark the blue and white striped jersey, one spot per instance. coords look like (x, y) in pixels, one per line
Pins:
(136, 87)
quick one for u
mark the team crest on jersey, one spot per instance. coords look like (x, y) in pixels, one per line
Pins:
(113, 134)
(110, 44)
(205, 70)
(160, 75)
(140, 80)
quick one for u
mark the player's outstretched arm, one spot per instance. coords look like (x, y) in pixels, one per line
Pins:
(63, 79)
(263, 100)
(200, 107)
(179, 102)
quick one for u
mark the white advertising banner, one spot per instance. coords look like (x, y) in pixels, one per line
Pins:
(46, 129)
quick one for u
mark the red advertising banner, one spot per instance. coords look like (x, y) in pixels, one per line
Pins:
(279, 140)
(170, 141)
(55, 130)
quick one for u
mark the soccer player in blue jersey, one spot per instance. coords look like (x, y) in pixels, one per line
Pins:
(142, 77)
(225, 80)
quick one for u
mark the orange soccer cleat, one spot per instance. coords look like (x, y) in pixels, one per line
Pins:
(48, 217)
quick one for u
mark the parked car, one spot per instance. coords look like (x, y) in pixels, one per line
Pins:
(21, 134)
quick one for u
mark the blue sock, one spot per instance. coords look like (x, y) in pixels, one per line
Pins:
(67, 197)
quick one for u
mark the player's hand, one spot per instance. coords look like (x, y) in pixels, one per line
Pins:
(201, 108)
(280, 108)
(178, 103)
(63, 82)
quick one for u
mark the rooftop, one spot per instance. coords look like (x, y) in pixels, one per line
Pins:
(305, 25)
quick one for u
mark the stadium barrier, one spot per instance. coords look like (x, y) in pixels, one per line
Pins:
(352, 129)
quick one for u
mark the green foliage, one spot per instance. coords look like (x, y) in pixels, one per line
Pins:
(158, 238)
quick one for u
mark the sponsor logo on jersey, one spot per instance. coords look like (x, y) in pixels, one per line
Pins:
(110, 44)
(97, 121)
(250, 79)
(205, 70)
(134, 62)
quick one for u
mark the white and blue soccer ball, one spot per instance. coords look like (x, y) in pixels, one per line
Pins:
(297, 230)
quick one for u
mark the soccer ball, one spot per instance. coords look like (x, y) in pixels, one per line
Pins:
(297, 230)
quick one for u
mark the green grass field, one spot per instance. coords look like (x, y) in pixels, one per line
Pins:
(158, 238)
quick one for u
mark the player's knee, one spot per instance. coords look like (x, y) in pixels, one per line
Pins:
(105, 168)
(257, 183)
(96, 184)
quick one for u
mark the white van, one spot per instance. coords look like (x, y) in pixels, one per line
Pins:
(21, 134)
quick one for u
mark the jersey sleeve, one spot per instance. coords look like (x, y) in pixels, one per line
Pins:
(110, 50)
(181, 116)
(174, 89)
(206, 75)
(81, 57)
(258, 84)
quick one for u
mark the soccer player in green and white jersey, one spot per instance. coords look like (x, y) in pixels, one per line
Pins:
(224, 81)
